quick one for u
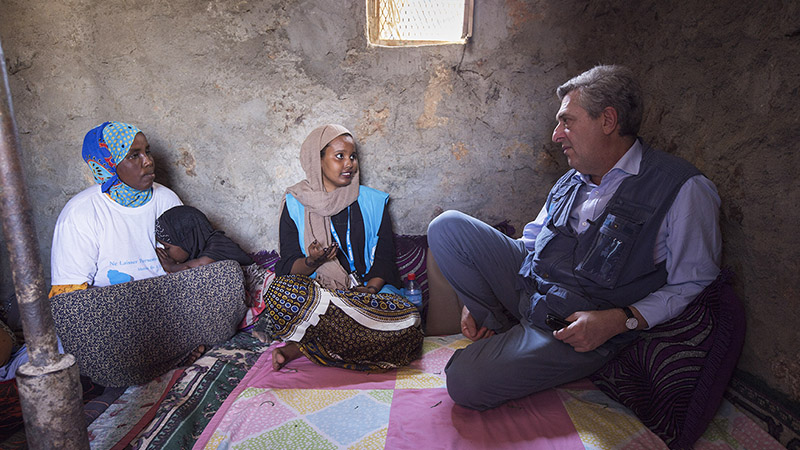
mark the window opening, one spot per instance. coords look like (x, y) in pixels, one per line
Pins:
(419, 22)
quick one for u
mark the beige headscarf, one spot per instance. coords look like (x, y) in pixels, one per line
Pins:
(321, 205)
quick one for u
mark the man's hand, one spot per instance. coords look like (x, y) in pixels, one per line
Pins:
(469, 328)
(591, 329)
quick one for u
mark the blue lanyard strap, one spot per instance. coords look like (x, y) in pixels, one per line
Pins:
(349, 253)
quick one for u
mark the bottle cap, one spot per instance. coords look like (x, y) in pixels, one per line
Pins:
(412, 276)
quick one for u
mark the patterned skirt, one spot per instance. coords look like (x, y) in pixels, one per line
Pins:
(351, 330)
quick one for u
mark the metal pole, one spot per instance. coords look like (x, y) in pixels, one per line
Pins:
(49, 383)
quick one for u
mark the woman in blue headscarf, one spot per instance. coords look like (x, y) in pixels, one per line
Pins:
(106, 234)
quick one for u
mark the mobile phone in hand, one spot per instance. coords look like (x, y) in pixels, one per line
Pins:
(556, 322)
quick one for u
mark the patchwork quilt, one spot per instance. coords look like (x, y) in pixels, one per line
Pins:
(309, 406)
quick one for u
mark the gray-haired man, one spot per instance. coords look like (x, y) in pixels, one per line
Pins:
(625, 241)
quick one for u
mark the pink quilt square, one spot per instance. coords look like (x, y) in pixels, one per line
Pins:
(258, 412)
(303, 374)
(428, 418)
(434, 361)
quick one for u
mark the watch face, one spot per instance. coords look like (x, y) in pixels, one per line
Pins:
(632, 323)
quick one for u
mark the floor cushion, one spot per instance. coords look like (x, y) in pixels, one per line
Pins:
(410, 252)
(674, 376)
(130, 333)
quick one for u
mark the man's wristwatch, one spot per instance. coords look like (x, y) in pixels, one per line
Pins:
(632, 322)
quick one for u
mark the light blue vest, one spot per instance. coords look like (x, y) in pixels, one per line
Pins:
(372, 203)
(611, 264)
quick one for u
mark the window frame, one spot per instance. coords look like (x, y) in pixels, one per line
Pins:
(373, 28)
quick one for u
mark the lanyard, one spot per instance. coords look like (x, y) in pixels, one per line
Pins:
(349, 254)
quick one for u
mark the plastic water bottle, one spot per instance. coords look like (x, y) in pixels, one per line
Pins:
(413, 291)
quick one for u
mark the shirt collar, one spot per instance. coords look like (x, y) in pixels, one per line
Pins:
(627, 165)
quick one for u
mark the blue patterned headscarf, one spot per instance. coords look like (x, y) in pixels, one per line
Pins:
(103, 148)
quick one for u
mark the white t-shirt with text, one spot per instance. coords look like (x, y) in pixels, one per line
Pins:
(101, 242)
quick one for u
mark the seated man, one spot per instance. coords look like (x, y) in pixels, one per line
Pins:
(625, 240)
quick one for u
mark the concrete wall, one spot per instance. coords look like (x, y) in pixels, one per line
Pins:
(226, 91)
(722, 80)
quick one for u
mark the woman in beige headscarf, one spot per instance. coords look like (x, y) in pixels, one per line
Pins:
(336, 297)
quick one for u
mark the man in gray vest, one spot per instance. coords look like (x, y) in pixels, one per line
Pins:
(625, 241)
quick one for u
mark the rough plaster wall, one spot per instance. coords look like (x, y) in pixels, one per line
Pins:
(227, 90)
(722, 82)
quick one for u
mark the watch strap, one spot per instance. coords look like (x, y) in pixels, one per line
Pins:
(628, 312)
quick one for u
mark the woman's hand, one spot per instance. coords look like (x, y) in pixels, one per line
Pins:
(318, 255)
(366, 289)
(374, 285)
(370, 288)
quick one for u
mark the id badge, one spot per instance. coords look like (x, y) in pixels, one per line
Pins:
(353, 280)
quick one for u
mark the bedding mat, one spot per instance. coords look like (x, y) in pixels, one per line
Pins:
(125, 416)
(196, 394)
(308, 406)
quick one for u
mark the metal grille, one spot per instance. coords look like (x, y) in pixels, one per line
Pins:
(421, 20)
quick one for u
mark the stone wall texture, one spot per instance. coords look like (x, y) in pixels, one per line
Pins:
(227, 90)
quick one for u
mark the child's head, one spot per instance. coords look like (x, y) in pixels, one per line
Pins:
(183, 231)
(178, 254)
